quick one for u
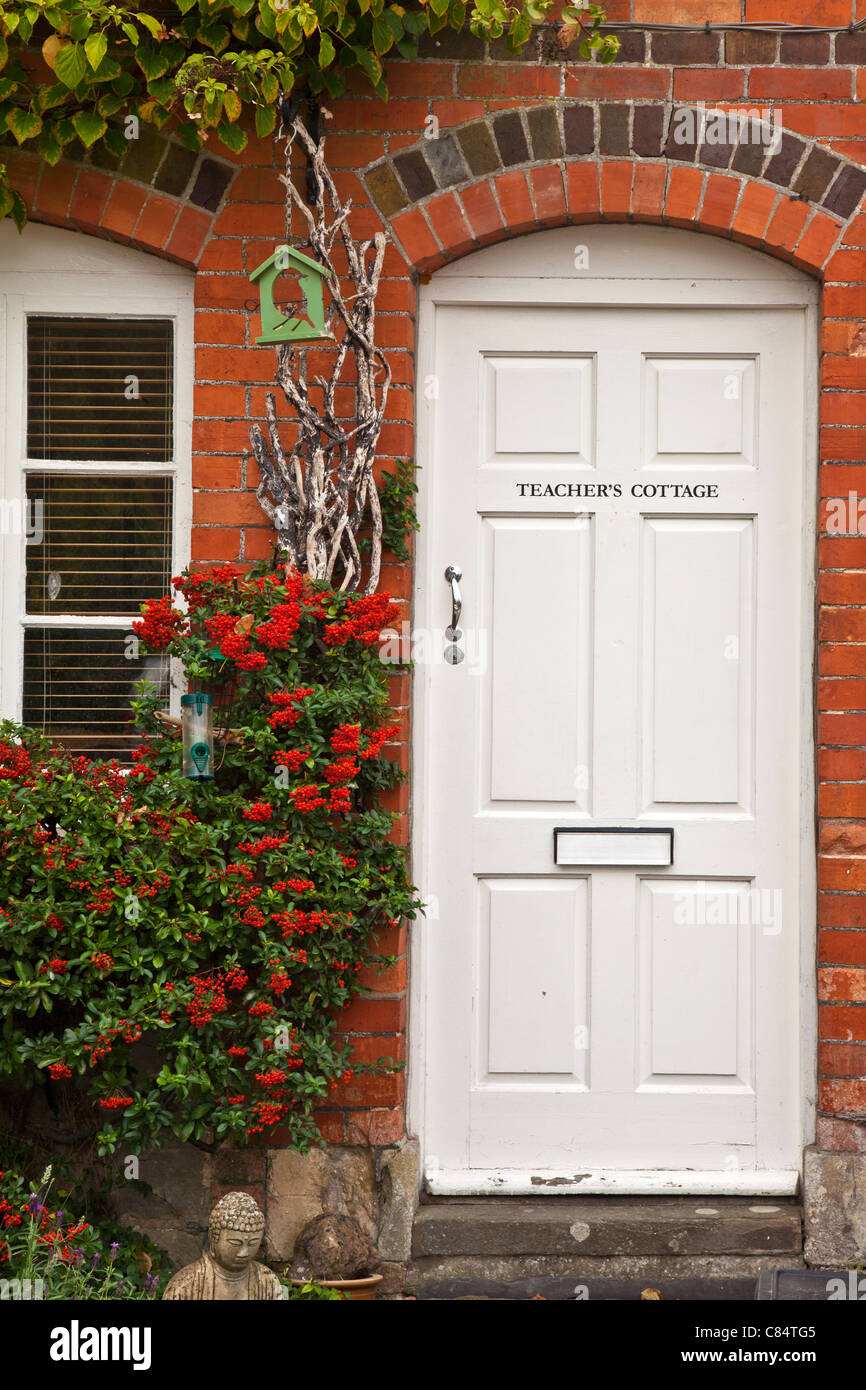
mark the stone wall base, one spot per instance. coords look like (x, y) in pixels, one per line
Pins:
(834, 1208)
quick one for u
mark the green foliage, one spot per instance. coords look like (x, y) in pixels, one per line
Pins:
(312, 1292)
(43, 1239)
(397, 493)
(220, 927)
(215, 60)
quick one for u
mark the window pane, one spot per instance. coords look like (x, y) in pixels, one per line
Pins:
(78, 683)
(106, 543)
(99, 389)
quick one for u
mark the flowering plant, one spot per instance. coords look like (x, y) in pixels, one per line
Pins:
(55, 1255)
(175, 955)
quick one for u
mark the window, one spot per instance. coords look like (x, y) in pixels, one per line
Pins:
(102, 490)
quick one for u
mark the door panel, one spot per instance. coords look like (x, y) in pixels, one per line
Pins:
(623, 489)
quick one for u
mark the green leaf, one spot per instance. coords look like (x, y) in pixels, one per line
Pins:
(116, 143)
(152, 25)
(327, 52)
(89, 126)
(70, 65)
(151, 62)
(4, 52)
(131, 33)
(233, 138)
(232, 105)
(383, 38)
(49, 147)
(23, 124)
(95, 48)
(369, 62)
(190, 137)
(266, 119)
(123, 84)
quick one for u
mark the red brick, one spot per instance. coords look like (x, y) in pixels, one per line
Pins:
(482, 213)
(648, 192)
(355, 116)
(209, 472)
(842, 1059)
(584, 83)
(375, 1127)
(815, 246)
(846, 374)
(786, 226)
(684, 11)
(369, 1089)
(842, 625)
(801, 84)
(809, 12)
(706, 84)
(842, 799)
(842, 444)
(156, 222)
(123, 210)
(365, 1015)
(417, 240)
(842, 1097)
(842, 947)
(838, 984)
(390, 980)
(720, 199)
(55, 190)
(234, 364)
(505, 80)
(842, 765)
(843, 875)
(548, 195)
(189, 236)
(846, 267)
(840, 1136)
(451, 113)
(581, 185)
(23, 171)
(215, 543)
(332, 1125)
(616, 179)
(220, 437)
(845, 1022)
(842, 910)
(684, 196)
(512, 191)
(842, 589)
(752, 215)
(448, 222)
(89, 199)
(225, 400)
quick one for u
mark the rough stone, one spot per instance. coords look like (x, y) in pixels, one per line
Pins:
(834, 1199)
(333, 1247)
(544, 132)
(418, 181)
(508, 131)
(781, 167)
(653, 1269)
(338, 1180)
(211, 182)
(578, 127)
(400, 1181)
(846, 192)
(170, 1201)
(608, 1227)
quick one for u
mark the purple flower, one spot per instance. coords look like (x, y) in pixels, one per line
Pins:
(34, 1205)
(95, 1259)
(112, 1254)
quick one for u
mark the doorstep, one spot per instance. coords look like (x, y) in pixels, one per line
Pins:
(609, 1247)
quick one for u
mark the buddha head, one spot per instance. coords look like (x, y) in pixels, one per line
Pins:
(235, 1231)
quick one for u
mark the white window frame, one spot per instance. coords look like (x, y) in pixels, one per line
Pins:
(49, 272)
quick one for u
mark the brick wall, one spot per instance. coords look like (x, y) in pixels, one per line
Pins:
(522, 146)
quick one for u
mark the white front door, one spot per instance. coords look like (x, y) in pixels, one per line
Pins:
(623, 488)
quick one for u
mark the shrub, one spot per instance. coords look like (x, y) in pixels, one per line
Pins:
(175, 955)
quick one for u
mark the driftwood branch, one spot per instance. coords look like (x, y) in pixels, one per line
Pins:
(321, 492)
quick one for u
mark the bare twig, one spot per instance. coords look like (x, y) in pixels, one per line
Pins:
(320, 493)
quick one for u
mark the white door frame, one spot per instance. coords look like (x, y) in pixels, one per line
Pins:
(629, 266)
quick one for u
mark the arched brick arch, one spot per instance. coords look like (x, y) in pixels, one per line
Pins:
(549, 166)
(160, 197)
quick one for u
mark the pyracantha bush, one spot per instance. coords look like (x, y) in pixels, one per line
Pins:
(180, 952)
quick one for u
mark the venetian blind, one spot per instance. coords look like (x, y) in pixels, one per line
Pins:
(99, 394)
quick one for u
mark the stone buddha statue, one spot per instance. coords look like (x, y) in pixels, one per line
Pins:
(227, 1269)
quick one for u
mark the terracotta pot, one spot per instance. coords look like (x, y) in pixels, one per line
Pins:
(356, 1289)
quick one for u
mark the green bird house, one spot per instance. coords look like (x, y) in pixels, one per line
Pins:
(311, 278)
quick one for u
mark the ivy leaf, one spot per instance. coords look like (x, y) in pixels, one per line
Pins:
(266, 119)
(232, 105)
(95, 48)
(152, 63)
(70, 64)
(383, 38)
(233, 138)
(89, 126)
(23, 124)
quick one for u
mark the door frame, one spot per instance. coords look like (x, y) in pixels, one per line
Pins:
(632, 266)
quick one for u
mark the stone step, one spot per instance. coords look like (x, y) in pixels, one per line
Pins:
(601, 1247)
(607, 1227)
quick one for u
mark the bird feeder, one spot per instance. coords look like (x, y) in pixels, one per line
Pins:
(311, 277)
(197, 734)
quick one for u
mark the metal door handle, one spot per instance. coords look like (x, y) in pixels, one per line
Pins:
(452, 574)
